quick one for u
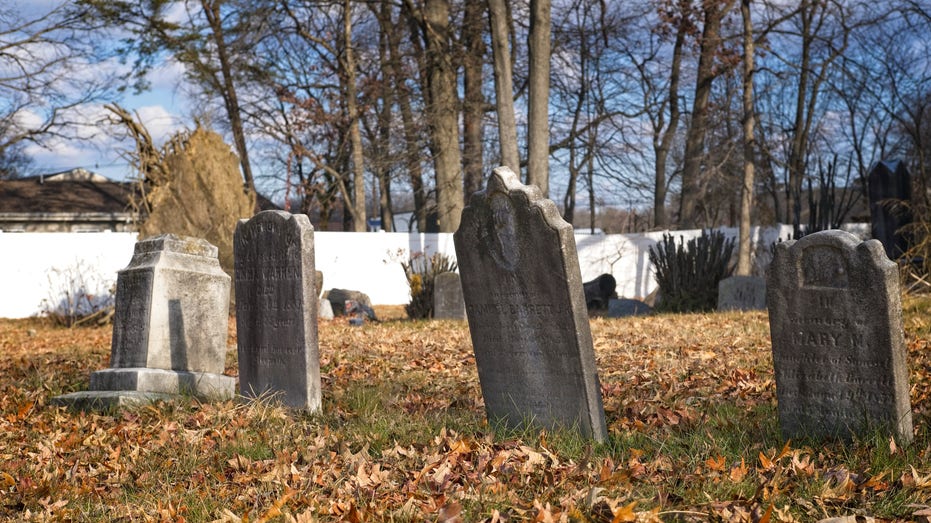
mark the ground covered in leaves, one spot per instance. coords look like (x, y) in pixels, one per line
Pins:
(690, 403)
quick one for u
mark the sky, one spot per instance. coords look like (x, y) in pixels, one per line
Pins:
(163, 110)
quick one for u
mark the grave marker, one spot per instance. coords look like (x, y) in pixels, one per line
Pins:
(276, 308)
(169, 328)
(838, 345)
(526, 310)
(448, 303)
(742, 293)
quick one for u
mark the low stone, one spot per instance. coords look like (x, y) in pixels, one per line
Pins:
(325, 309)
(742, 293)
(623, 307)
(448, 303)
(339, 297)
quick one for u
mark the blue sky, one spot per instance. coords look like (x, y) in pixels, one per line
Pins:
(97, 146)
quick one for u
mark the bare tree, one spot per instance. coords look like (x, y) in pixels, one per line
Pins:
(713, 13)
(746, 187)
(504, 90)
(538, 133)
(46, 55)
(433, 21)
(214, 41)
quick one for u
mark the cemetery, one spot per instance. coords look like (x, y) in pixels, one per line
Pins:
(465, 261)
(520, 397)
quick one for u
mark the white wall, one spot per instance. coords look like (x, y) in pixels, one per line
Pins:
(35, 267)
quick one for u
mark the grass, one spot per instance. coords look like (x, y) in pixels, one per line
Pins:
(689, 399)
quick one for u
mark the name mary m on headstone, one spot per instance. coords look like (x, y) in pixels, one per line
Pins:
(276, 308)
(526, 310)
(838, 345)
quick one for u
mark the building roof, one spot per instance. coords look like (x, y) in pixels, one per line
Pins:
(64, 194)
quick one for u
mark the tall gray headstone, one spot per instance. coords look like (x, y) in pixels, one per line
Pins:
(838, 345)
(526, 310)
(742, 293)
(448, 303)
(169, 328)
(276, 309)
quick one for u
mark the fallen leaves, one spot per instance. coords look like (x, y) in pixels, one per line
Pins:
(690, 402)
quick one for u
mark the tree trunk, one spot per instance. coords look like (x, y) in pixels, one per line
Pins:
(538, 129)
(230, 99)
(663, 144)
(504, 88)
(384, 121)
(411, 136)
(443, 113)
(473, 109)
(746, 189)
(356, 205)
(689, 211)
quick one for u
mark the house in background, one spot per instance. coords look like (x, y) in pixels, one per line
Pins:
(69, 201)
(72, 201)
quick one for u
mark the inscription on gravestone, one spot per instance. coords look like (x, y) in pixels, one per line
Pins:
(838, 344)
(276, 308)
(448, 303)
(526, 310)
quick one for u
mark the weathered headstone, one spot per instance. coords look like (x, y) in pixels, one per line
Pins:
(890, 184)
(448, 303)
(169, 328)
(623, 307)
(526, 310)
(276, 309)
(742, 293)
(838, 345)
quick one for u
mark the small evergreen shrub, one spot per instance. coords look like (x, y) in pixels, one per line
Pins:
(688, 272)
(421, 271)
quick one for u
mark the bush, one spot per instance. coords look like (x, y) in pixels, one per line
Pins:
(688, 274)
(421, 272)
(78, 295)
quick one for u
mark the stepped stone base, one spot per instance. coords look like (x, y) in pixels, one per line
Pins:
(120, 387)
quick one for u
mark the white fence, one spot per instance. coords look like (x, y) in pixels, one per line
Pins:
(39, 269)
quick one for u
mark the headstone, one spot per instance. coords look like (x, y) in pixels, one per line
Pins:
(838, 346)
(620, 308)
(742, 293)
(890, 184)
(448, 303)
(325, 309)
(276, 309)
(600, 291)
(526, 310)
(169, 328)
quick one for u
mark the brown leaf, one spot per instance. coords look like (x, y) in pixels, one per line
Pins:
(450, 512)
